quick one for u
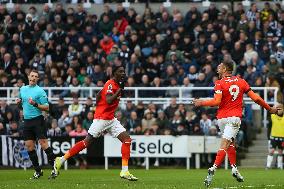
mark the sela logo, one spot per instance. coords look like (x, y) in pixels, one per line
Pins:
(158, 147)
(63, 147)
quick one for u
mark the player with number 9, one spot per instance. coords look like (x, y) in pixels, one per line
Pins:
(229, 91)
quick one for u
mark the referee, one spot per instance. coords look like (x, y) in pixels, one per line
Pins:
(34, 100)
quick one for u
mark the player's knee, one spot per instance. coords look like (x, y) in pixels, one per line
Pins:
(225, 143)
(271, 151)
(127, 141)
(88, 140)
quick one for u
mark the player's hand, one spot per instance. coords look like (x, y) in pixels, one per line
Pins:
(197, 102)
(31, 101)
(18, 101)
(273, 110)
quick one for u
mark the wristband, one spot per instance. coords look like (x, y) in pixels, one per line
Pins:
(35, 105)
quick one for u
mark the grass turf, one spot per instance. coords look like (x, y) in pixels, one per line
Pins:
(152, 179)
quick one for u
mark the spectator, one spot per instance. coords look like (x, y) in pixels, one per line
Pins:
(272, 82)
(64, 119)
(133, 124)
(170, 110)
(2, 129)
(106, 24)
(75, 108)
(280, 53)
(172, 93)
(129, 108)
(197, 130)
(201, 82)
(7, 63)
(4, 83)
(67, 129)
(145, 83)
(190, 121)
(273, 65)
(75, 84)
(57, 109)
(120, 117)
(106, 44)
(121, 23)
(257, 63)
(148, 121)
(177, 124)
(78, 131)
(193, 74)
(187, 93)
(87, 122)
(13, 129)
(54, 130)
(98, 74)
(162, 122)
(60, 93)
(206, 125)
(88, 107)
(250, 53)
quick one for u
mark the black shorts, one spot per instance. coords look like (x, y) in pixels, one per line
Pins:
(35, 128)
(276, 143)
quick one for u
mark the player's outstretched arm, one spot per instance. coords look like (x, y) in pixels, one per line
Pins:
(212, 102)
(257, 99)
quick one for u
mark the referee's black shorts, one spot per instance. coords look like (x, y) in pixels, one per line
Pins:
(35, 128)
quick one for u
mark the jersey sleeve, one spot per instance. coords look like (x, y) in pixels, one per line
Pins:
(246, 87)
(43, 98)
(218, 87)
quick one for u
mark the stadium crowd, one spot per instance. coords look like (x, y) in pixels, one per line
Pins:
(70, 47)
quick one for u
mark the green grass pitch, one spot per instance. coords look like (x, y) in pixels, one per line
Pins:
(151, 179)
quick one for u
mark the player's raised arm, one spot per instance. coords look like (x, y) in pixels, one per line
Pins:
(112, 97)
(257, 99)
(211, 102)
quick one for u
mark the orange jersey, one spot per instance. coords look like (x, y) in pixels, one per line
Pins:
(232, 89)
(104, 110)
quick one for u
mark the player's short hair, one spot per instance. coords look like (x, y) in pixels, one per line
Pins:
(34, 71)
(115, 68)
(229, 65)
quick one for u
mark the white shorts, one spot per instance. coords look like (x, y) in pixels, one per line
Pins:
(113, 127)
(229, 127)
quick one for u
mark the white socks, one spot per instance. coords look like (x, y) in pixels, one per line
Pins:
(124, 168)
(269, 161)
(280, 161)
(62, 159)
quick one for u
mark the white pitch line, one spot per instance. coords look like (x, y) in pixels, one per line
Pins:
(233, 187)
